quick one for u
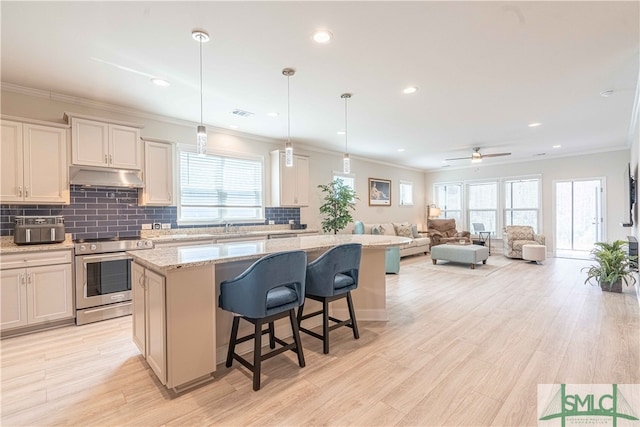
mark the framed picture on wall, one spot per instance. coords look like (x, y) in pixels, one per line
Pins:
(379, 192)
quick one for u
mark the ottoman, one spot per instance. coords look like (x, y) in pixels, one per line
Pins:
(537, 253)
(468, 254)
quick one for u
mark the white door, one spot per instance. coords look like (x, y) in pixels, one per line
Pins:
(49, 293)
(13, 298)
(578, 217)
(125, 148)
(11, 162)
(45, 165)
(155, 322)
(139, 297)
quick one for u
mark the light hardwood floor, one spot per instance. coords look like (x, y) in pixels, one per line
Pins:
(459, 350)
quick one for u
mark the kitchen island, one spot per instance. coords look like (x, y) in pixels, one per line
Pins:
(176, 323)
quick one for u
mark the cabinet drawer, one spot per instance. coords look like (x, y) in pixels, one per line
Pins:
(21, 260)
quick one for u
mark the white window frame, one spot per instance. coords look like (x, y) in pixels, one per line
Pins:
(496, 209)
(443, 208)
(348, 176)
(503, 183)
(219, 153)
(401, 193)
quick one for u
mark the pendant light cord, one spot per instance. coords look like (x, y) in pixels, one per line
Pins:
(346, 143)
(201, 114)
(288, 111)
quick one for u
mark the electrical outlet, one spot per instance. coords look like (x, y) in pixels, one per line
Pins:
(156, 226)
(271, 222)
(146, 226)
(166, 226)
(291, 221)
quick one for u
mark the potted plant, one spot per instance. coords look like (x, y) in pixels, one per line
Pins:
(612, 266)
(339, 201)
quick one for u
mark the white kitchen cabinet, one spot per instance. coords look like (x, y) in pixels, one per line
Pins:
(174, 323)
(38, 292)
(103, 144)
(158, 174)
(289, 185)
(34, 164)
(149, 311)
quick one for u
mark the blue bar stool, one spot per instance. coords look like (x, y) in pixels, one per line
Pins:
(330, 277)
(270, 289)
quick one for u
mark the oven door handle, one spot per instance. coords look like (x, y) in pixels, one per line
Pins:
(106, 257)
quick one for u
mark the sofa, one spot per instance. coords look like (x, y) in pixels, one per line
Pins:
(516, 236)
(419, 244)
(442, 231)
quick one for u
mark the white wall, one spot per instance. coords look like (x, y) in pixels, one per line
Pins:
(322, 164)
(609, 165)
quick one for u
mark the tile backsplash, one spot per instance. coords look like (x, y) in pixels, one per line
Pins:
(105, 212)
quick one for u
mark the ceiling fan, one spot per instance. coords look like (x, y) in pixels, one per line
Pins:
(476, 157)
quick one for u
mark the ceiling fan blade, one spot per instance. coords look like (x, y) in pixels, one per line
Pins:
(459, 158)
(496, 155)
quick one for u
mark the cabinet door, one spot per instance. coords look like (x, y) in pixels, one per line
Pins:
(13, 298)
(90, 143)
(45, 165)
(11, 162)
(156, 328)
(49, 293)
(138, 296)
(288, 196)
(158, 175)
(301, 165)
(125, 149)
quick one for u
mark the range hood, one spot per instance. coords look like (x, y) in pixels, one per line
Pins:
(101, 177)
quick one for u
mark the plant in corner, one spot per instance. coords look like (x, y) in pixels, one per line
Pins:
(339, 201)
(612, 266)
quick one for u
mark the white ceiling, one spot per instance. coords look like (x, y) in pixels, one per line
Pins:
(484, 70)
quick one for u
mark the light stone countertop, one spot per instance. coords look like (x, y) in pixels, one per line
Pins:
(8, 247)
(164, 259)
(182, 236)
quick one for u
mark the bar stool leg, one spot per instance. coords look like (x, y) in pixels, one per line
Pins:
(352, 314)
(232, 341)
(272, 339)
(257, 354)
(325, 326)
(296, 337)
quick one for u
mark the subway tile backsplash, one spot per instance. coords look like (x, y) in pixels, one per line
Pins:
(105, 212)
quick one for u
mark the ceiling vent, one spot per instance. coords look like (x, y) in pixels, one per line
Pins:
(242, 113)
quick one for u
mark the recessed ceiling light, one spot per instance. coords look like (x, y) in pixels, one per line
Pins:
(557, 146)
(533, 125)
(233, 126)
(322, 36)
(273, 114)
(606, 93)
(160, 82)
(410, 89)
(341, 132)
(400, 150)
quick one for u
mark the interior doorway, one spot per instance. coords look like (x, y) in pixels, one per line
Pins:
(578, 216)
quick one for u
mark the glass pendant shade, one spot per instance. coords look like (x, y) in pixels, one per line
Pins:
(346, 163)
(201, 142)
(288, 155)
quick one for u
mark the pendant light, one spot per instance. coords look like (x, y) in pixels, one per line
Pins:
(201, 36)
(346, 161)
(288, 148)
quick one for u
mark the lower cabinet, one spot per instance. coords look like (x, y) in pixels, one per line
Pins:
(174, 323)
(35, 294)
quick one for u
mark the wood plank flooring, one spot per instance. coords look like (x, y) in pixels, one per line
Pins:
(458, 350)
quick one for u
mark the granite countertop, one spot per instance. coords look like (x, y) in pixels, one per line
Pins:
(165, 259)
(8, 247)
(182, 236)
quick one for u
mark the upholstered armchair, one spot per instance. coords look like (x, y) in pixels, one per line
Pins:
(444, 230)
(515, 236)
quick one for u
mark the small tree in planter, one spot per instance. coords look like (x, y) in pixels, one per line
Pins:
(612, 266)
(339, 201)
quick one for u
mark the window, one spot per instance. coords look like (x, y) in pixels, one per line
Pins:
(483, 205)
(406, 193)
(522, 202)
(448, 197)
(348, 179)
(216, 188)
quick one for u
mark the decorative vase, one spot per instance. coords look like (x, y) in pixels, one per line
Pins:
(612, 287)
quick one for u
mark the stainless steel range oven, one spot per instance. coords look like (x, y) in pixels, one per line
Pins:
(103, 277)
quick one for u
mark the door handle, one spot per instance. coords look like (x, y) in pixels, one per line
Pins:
(20, 190)
(106, 159)
(111, 158)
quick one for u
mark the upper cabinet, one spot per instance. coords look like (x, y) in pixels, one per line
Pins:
(158, 174)
(289, 185)
(34, 163)
(104, 144)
